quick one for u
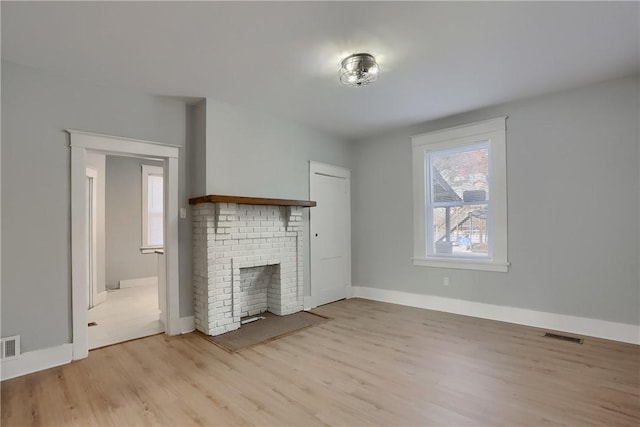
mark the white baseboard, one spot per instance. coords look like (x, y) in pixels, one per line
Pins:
(187, 324)
(559, 322)
(37, 360)
(142, 281)
(307, 303)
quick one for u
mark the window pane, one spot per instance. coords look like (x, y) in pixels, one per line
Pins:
(155, 208)
(467, 234)
(458, 202)
(460, 175)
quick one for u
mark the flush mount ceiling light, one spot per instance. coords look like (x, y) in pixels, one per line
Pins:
(358, 69)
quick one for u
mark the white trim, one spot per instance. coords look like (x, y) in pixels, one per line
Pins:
(330, 170)
(147, 170)
(187, 324)
(37, 360)
(92, 174)
(540, 319)
(338, 172)
(463, 131)
(100, 298)
(80, 143)
(142, 281)
(308, 302)
(151, 249)
(494, 131)
(80, 331)
(172, 267)
(462, 264)
(121, 145)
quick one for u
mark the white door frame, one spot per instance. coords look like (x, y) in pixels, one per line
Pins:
(81, 142)
(316, 168)
(92, 177)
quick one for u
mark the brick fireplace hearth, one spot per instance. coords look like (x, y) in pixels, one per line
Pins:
(247, 259)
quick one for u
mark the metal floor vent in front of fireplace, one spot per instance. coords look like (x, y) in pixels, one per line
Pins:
(563, 337)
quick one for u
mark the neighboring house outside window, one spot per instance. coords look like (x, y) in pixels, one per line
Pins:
(460, 197)
(152, 208)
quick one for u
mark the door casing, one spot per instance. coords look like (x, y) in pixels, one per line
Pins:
(81, 143)
(315, 169)
(92, 259)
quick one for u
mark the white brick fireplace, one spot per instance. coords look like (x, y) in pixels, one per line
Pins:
(247, 259)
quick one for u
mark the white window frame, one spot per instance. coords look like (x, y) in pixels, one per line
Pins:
(147, 170)
(493, 131)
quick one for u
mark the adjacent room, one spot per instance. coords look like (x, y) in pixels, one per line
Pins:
(320, 213)
(126, 205)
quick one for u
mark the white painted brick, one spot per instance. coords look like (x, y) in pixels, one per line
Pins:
(245, 235)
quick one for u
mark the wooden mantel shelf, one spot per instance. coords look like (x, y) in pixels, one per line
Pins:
(215, 198)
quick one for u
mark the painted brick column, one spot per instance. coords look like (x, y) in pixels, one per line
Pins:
(203, 233)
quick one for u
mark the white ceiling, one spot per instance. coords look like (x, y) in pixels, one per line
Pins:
(436, 58)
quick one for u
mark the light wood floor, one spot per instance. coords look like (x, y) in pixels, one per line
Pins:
(372, 364)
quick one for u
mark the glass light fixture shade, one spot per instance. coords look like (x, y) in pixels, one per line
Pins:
(358, 69)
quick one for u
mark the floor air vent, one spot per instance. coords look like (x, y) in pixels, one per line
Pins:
(10, 347)
(563, 338)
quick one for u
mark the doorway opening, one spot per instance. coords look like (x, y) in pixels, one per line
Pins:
(125, 218)
(85, 234)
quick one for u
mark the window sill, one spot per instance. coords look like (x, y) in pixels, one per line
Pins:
(462, 264)
(150, 249)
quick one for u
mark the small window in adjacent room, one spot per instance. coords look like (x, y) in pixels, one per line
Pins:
(152, 208)
(460, 199)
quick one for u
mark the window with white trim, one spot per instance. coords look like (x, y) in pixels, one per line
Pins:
(152, 208)
(460, 197)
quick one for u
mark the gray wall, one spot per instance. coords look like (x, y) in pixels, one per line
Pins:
(124, 222)
(36, 108)
(255, 154)
(573, 198)
(197, 134)
(98, 162)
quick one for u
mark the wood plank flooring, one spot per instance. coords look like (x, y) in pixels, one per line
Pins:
(372, 364)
